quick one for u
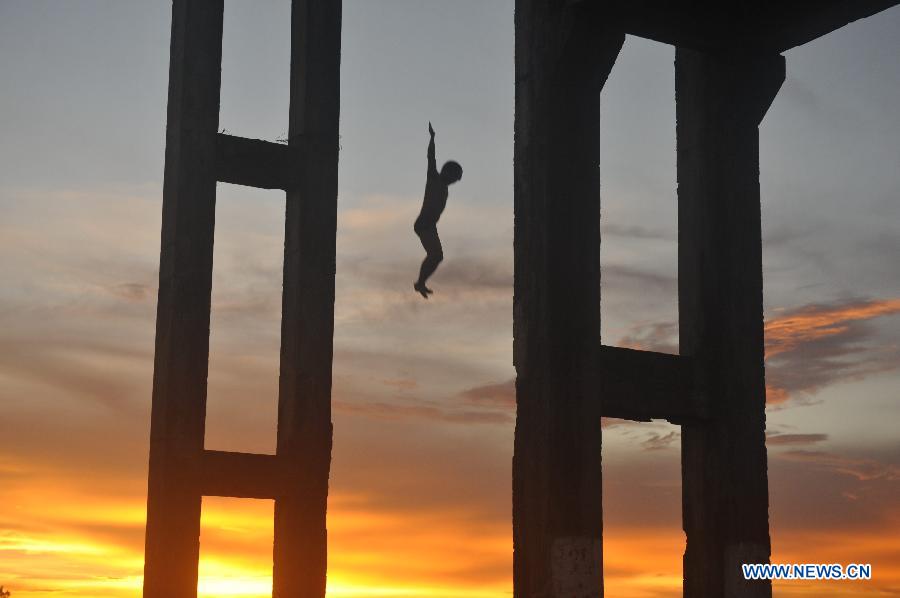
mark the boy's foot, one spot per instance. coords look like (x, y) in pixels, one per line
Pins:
(422, 289)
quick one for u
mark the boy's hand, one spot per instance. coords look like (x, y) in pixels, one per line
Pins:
(430, 129)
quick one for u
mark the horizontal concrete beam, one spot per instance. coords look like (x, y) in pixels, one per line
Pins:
(240, 475)
(256, 163)
(708, 25)
(643, 385)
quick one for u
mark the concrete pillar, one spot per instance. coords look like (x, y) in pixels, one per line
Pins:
(721, 100)
(181, 471)
(304, 402)
(182, 318)
(563, 57)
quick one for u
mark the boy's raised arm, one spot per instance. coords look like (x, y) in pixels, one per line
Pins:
(432, 162)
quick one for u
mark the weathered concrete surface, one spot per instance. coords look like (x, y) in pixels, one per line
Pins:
(720, 103)
(307, 325)
(256, 163)
(181, 471)
(241, 475)
(182, 314)
(563, 58)
(644, 385)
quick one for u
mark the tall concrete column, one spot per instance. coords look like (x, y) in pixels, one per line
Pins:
(721, 100)
(563, 57)
(178, 415)
(307, 325)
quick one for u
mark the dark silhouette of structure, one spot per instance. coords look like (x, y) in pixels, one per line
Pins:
(181, 471)
(728, 69)
(433, 205)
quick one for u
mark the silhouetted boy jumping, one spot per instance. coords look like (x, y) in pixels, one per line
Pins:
(432, 207)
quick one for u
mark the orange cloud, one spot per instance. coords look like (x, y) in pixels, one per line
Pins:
(815, 322)
(818, 345)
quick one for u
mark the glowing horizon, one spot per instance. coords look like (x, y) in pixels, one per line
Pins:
(423, 394)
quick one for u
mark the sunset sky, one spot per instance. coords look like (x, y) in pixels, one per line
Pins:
(420, 502)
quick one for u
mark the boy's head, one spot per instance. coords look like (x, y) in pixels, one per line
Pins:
(451, 172)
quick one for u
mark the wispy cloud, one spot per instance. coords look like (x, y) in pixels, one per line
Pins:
(818, 345)
(654, 336)
(863, 469)
(780, 439)
(500, 395)
(658, 441)
(815, 322)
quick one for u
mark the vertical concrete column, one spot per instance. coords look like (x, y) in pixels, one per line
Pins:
(721, 100)
(304, 403)
(563, 57)
(182, 320)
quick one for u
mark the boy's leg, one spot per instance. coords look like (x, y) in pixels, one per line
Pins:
(434, 255)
